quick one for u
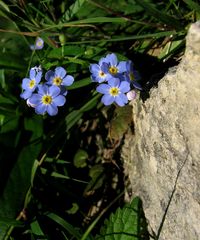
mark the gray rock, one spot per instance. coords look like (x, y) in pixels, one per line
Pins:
(162, 158)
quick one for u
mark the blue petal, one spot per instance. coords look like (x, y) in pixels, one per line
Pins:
(38, 77)
(60, 72)
(94, 68)
(26, 94)
(49, 76)
(42, 89)
(102, 60)
(32, 74)
(68, 80)
(112, 59)
(129, 66)
(41, 109)
(122, 67)
(113, 82)
(105, 67)
(54, 91)
(52, 109)
(25, 83)
(59, 100)
(107, 99)
(35, 99)
(124, 86)
(121, 100)
(103, 88)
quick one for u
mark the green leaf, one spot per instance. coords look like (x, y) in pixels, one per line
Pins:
(97, 173)
(66, 51)
(12, 198)
(125, 224)
(36, 229)
(120, 122)
(80, 158)
(73, 9)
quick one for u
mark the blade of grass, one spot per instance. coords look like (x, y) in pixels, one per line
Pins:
(161, 16)
(59, 175)
(135, 37)
(65, 225)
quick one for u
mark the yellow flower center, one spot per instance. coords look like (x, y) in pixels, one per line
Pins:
(113, 70)
(32, 83)
(101, 74)
(57, 81)
(114, 91)
(46, 99)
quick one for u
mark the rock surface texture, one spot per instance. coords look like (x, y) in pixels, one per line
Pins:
(162, 158)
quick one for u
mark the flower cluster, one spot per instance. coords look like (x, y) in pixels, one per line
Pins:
(116, 80)
(46, 97)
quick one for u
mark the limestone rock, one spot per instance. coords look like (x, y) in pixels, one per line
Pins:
(162, 158)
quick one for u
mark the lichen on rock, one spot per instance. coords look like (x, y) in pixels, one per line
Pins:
(162, 157)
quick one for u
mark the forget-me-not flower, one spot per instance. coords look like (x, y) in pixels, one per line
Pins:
(29, 84)
(59, 77)
(39, 44)
(114, 91)
(47, 100)
(112, 67)
(98, 74)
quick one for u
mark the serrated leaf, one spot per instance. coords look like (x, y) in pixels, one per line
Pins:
(124, 224)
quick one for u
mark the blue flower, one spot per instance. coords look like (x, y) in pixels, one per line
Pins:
(39, 44)
(29, 84)
(98, 74)
(47, 99)
(59, 78)
(112, 67)
(131, 75)
(114, 91)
